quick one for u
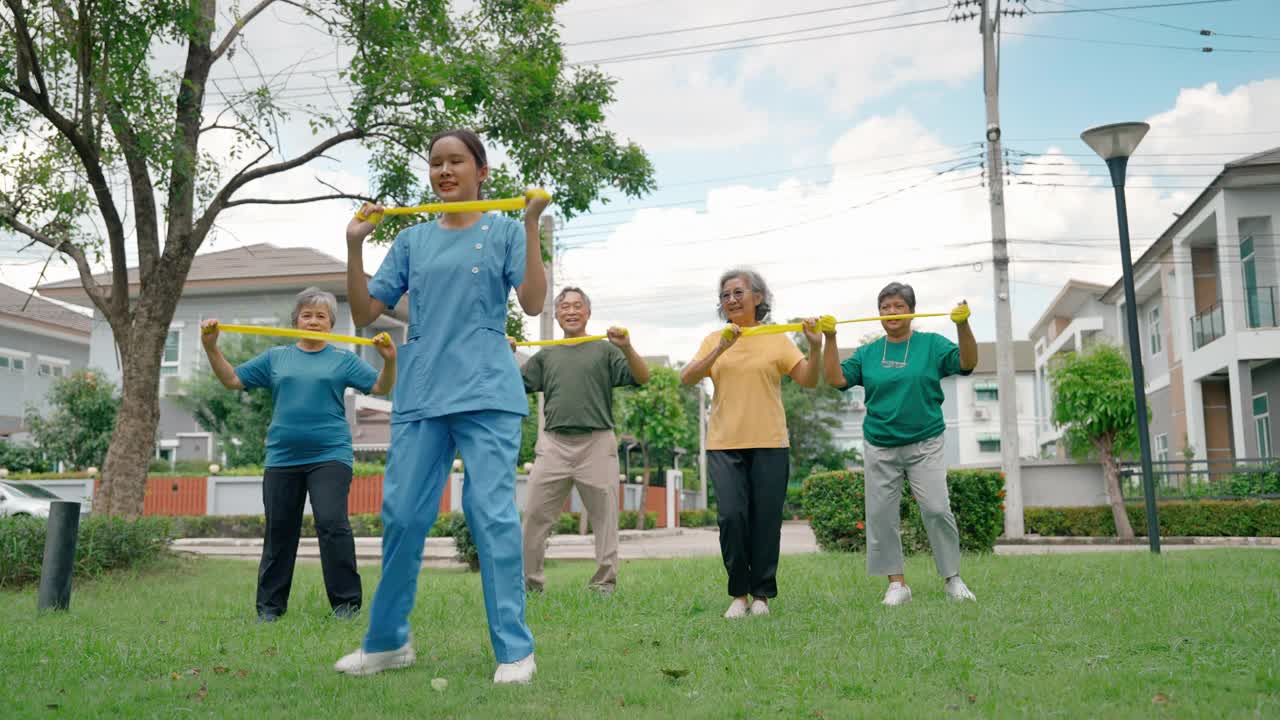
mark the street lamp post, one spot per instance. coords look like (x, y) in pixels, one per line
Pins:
(1114, 144)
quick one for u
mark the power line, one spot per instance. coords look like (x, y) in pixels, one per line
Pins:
(734, 23)
(1126, 43)
(1148, 6)
(1156, 23)
(695, 49)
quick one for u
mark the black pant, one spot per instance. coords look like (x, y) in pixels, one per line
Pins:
(751, 488)
(284, 492)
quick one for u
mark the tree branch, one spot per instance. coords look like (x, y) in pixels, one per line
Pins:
(146, 218)
(91, 285)
(238, 28)
(297, 201)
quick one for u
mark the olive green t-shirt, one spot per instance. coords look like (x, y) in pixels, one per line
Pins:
(578, 381)
(903, 383)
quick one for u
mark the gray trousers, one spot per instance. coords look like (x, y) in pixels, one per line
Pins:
(921, 465)
(590, 463)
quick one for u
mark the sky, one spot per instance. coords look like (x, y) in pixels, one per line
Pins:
(834, 165)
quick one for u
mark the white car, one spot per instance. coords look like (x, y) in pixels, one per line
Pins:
(17, 499)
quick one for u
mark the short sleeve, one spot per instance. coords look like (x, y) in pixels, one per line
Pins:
(619, 369)
(256, 373)
(360, 374)
(788, 355)
(532, 373)
(391, 281)
(708, 344)
(851, 368)
(513, 267)
(948, 357)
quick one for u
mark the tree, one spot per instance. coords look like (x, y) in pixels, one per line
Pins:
(19, 458)
(239, 419)
(77, 430)
(1093, 402)
(108, 146)
(654, 414)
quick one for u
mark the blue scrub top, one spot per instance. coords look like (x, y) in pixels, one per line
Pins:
(456, 358)
(308, 417)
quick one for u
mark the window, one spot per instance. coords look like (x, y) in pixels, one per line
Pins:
(1262, 424)
(13, 360)
(1156, 342)
(986, 392)
(172, 353)
(51, 366)
(1162, 448)
(45, 370)
(988, 443)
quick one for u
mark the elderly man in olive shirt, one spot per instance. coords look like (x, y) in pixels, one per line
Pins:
(577, 445)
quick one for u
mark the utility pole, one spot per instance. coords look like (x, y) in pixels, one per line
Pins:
(1006, 371)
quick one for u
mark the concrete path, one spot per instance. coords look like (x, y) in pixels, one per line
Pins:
(797, 538)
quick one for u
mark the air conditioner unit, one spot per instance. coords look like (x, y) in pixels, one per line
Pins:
(171, 385)
(981, 413)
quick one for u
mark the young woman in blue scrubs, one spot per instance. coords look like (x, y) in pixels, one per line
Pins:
(459, 391)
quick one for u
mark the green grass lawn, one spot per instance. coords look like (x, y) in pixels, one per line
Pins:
(1190, 634)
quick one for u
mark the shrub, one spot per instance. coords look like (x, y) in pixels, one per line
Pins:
(835, 503)
(464, 543)
(627, 520)
(567, 524)
(793, 508)
(698, 518)
(23, 459)
(1203, 518)
(104, 544)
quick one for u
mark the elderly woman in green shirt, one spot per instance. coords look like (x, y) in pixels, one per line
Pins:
(902, 374)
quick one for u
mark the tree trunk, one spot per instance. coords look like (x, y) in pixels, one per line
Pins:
(644, 487)
(1111, 476)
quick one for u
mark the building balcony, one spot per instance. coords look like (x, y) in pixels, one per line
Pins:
(1260, 307)
(1207, 326)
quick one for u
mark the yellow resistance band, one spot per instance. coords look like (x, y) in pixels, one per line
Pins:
(515, 203)
(296, 333)
(563, 341)
(797, 327)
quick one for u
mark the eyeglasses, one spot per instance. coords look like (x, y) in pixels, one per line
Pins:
(736, 294)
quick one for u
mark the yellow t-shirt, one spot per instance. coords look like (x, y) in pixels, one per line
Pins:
(746, 409)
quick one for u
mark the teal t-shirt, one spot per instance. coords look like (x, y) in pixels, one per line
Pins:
(308, 418)
(903, 383)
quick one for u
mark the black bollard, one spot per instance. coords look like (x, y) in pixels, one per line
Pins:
(59, 556)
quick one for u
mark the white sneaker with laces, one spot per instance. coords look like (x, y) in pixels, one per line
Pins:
(737, 609)
(957, 590)
(897, 594)
(760, 606)
(361, 663)
(519, 672)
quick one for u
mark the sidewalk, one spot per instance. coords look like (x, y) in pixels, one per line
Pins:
(797, 538)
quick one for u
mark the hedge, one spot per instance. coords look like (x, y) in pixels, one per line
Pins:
(1192, 518)
(362, 525)
(104, 544)
(835, 504)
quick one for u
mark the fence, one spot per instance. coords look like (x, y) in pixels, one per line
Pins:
(1215, 478)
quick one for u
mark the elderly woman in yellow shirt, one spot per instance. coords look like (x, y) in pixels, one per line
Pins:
(748, 455)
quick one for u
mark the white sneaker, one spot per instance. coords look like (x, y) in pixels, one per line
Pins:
(759, 607)
(737, 609)
(519, 672)
(897, 594)
(360, 663)
(957, 590)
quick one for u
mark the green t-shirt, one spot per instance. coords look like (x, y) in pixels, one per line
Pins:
(578, 381)
(903, 384)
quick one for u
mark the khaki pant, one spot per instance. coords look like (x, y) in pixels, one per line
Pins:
(920, 465)
(590, 462)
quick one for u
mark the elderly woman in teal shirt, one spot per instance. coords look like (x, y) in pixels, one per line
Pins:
(460, 391)
(308, 448)
(902, 374)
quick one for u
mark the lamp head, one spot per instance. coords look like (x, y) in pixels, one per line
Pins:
(1117, 140)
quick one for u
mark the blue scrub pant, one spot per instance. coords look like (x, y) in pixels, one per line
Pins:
(418, 466)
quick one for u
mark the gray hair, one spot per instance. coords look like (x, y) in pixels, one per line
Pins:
(555, 304)
(758, 285)
(315, 296)
(897, 289)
